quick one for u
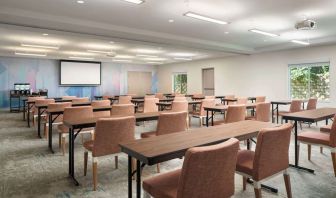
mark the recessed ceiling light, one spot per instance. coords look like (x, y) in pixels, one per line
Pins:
(204, 18)
(145, 55)
(111, 42)
(135, 1)
(182, 54)
(100, 52)
(121, 60)
(180, 58)
(157, 63)
(171, 20)
(29, 54)
(40, 46)
(80, 2)
(147, 51)
(226, 32)
(124, 56)
(155, 59)
(263, 33)
(83, 58)
(45, 34)
(300, 42)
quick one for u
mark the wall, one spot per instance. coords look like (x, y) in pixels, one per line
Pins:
(251, 75)
(43, 73)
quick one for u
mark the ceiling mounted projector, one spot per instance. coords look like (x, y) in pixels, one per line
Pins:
(305, 25)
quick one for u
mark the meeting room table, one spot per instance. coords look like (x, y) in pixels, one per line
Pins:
(76, 126)
(173, 146)
(309, 116)
(275, 107)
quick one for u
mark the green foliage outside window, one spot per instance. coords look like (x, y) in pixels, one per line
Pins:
(310, 81)
(180, 83)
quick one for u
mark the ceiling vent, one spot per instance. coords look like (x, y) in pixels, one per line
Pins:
(305, 25)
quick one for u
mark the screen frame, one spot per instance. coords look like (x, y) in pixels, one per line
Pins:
(79, 85)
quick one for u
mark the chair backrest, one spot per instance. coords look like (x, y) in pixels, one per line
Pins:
(230, 96)
(159, 96)
(206, 103)
(332, 140)
(210, 97)
(242, 101)
(106, 97)
(171, 122)
(178, 106)
(125, 99)
(179, 95)
(35, 98)
(295, 106)
(149, 96)
(235, 113)
(61, 106)
(260, 99)
(263, 112)
(42, 102)
(68, 97)
(77, 113)
(110, 132)
(312, 103)
(79, 100)
(150, 105)
(101, 103)
(180, 98)
(209, 171)
(122, 110)
(271, 153)
(198, 95)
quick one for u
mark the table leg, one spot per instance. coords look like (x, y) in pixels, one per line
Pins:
(24, 110)
(28, 116)
(277, 116)
(39, 122)
(327, 121)
(212, 117)
(207, 118)
(138, 180)
(72, 157)
(272, 113)
(50, 122)
(129, 176)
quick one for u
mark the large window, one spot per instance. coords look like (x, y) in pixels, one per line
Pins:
(310, 81)
(180, 83)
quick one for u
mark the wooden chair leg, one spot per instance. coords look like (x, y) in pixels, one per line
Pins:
(298, 151)
(201, 122)
(158, 168)
(59, 140)
(45, 129)
(309, 152)
(288, 185)
(244, 182)
(95, 179)
(257, 192)
(85, 162)
(321, 149)
(116, 162)
(63, 145)
(333, 157)
(189, 121)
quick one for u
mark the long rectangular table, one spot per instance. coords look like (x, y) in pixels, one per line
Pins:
(277, 103)
(307, 116)
(76, 126)
(150, 151)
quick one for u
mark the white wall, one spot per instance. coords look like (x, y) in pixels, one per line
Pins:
(250, 75)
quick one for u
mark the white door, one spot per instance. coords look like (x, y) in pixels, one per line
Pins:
(139, 83)
(208, 81)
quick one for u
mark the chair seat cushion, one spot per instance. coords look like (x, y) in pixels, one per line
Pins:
(283, 112)
(63, 129)
(88, 145)
(245, 162)
(326, 128)
(314, 138)
(148, 134)
(164, 185)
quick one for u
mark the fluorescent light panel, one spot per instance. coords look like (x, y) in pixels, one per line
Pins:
(40, 46)
(29, 54)
(204, 18)
(135, 1)
(300, 42)
(155, 62)
(78, 57)
(119, 60)
(147, 56)
(97, 51)
(263, 33)
(180, 58)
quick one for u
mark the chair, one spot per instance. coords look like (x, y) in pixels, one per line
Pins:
(106, 97)
(295, 106)
(269, 159)
(210, 97)
(312, 103)
(73, 114)
(150, 105)
(101, 103)
(235, 113)
(68, 97)
(122, 110)
(149, 96)
(260, 99)
(178, 106)
(80, 100)
(125, 99)
(32, 106)
(109, 133)
(159, 96)
(39, 102)
(230, 97)
(180, 98)
(59, 119)
(206, 172)
(202, 113)
(325, 140)
(170, 122)
(242, 101)
(262, 113)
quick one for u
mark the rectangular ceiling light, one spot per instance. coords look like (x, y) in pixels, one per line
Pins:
(83, 58)
(100, 52)
(264, 33)
(135, 1)
(40, 46)
(147, 56)
(300, 42)
(120, 60)
(159, 63)
(180, 58)
(29, 54)
(204, 18)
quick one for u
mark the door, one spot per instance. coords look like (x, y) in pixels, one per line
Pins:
(208, 81)
(139, 83)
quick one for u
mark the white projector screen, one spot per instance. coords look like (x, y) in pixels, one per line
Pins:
(76, 73)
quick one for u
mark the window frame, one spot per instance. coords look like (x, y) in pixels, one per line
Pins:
(173, 80)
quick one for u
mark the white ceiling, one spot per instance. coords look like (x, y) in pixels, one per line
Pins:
(147, 23)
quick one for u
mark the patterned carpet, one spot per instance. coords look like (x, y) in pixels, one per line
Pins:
(28, 169)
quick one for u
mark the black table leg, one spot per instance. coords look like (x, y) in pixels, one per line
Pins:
(277, 116)
(72, 156)
(212, 117)
(207, 118)
(327, 121)
(129, 176)
(272, 113)
(50, 122)
(138, 180)
(28, 116)
(39, 122)
(24, 110)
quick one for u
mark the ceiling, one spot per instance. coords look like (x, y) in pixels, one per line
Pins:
(147, 25)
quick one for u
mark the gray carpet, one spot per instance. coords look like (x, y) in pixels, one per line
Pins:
(28, 169)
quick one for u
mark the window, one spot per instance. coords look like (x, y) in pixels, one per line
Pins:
(180, 83)
(310, 81)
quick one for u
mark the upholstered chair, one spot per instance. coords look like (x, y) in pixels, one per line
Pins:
(206, 172)
(150, 105)
(59, 119)
(269, 159)
(201, 114)
(235, 113)
(101, 103)
(262, 113)
(295, 106)
(180, 98)
(159, 96)
(260, 99)
(312, 103)
(80, 100)
(32, 106)
(242, 101)
(68, 97)
(122, 110)
(210, 97)
(39, 102)
(125, 99)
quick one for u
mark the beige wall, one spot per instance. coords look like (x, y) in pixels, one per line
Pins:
(250, 75)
